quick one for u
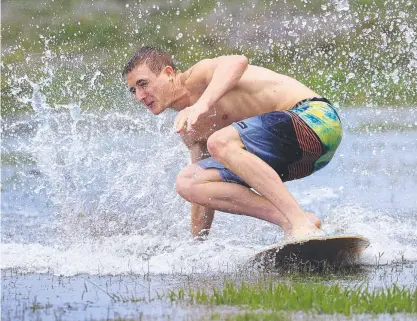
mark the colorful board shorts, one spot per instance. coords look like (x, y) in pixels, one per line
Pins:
(295, 143)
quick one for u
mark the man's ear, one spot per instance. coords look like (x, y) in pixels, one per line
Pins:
(169, 71)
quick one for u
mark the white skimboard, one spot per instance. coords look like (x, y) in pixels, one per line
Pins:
(333, 249)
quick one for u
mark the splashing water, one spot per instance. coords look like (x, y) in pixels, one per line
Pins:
(104, 184)
(91, 189)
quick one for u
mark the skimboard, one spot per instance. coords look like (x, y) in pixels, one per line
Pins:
(332, 249)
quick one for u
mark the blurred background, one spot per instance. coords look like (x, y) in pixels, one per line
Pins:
(358, 52)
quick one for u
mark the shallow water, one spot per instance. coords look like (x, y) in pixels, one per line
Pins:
(89, 198)
(100, 188)
(87, 297)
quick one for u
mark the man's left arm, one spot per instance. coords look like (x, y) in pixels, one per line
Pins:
(217, 76)
(223, 76)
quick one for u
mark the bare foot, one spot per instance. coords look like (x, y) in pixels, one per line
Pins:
(307, 230)
(314, 219)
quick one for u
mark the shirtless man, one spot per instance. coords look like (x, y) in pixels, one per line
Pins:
(247, 128)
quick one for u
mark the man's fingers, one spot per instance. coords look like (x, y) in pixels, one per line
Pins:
(178, 118)
(194, 120)
(176, 122)
(189, 123)
(186, 119)
(182, 119)
(180, 123)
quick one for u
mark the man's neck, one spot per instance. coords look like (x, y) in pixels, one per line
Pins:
(181, 95)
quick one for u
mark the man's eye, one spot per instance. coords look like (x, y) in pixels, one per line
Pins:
(132, 90)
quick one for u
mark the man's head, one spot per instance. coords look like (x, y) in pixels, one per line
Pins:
(150, 73)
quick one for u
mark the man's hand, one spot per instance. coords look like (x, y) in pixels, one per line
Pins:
(189, 117)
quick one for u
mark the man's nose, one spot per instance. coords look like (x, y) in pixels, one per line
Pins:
(140, 95)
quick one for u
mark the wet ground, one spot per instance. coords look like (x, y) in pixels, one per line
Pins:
(86, 297)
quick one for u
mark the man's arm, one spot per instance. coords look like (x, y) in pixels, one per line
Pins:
(201, 217)
(221, 74)
(216, 76)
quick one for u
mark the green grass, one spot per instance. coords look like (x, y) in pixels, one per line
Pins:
(254, 316)
(282, 316)
(311, 297)
(37, 306)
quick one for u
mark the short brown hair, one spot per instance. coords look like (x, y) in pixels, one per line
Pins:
(155, 58)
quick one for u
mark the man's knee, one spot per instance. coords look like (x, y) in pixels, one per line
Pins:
(216, 145)
(185, 182)
(220, 143)
(190, 180)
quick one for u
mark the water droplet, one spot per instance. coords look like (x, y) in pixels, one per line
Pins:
(341, 5)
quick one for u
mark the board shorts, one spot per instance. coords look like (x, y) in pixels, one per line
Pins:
(295, 143)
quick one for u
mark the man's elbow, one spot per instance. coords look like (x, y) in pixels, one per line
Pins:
(242, 61)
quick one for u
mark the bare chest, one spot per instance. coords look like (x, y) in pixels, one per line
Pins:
(215, 120)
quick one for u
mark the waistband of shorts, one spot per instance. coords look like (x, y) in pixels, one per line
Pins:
(311, 99)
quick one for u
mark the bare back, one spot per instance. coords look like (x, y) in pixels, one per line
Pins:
(258, 91)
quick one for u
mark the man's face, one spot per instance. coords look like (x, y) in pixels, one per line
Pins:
(149, 88)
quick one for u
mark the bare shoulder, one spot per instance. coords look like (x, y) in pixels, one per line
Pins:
(202, 72)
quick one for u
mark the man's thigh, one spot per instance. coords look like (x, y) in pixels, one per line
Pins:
(226, 135)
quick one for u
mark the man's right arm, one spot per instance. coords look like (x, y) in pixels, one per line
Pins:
(201, 217)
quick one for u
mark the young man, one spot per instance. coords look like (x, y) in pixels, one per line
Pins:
(260, 129)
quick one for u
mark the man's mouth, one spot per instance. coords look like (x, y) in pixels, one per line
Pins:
(151, 105)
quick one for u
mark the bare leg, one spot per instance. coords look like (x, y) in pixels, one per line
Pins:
(205, 187)
(226, 147)
(201, 220)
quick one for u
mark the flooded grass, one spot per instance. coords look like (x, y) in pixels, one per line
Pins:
(311, 297)
(245, 294)
(283, 316)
